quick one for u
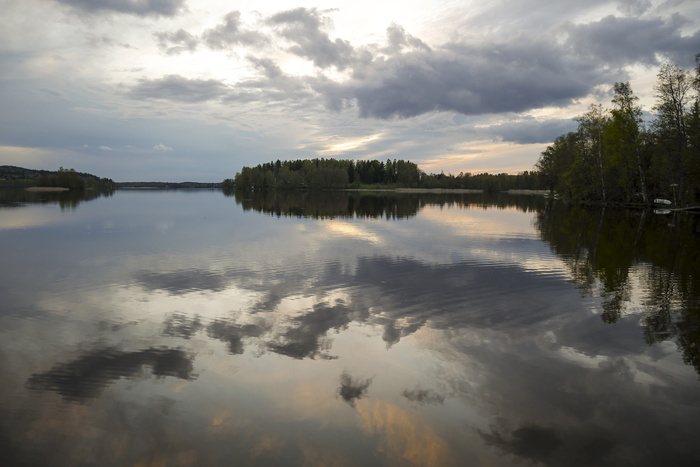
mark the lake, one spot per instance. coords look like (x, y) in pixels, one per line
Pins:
(191, 328)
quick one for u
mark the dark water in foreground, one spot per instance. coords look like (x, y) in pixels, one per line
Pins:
(189, 328)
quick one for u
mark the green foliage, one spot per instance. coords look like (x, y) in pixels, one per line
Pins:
(11, 176)
(613, 158)
(326, 174)
(603, 249)
(228, 185)
(335, 174)
(172, 185)
(591, 127)
(376, 205)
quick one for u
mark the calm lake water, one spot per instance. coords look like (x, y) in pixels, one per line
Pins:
(190, 328)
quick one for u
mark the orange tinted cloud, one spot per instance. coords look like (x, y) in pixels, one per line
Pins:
(403, 435)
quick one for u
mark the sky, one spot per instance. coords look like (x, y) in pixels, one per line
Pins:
(193, 90)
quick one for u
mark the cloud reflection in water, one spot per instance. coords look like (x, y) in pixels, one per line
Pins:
(280, 343)
(86, 377)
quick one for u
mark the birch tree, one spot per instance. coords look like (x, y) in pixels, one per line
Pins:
(624, 138)
(592, 124)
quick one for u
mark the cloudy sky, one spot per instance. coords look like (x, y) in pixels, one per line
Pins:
(195, 89)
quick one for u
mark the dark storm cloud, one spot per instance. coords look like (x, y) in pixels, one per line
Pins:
(178, 88)
(177, 42)
(618, 41)
(230, 32)
(303, 27)
(531, 131)
(514, 76)
(89, 374)
(406, 78)
(352, 389)
(134, 7)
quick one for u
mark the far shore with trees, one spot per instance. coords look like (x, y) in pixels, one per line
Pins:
(70, 179)
(47, 180)
(613, 157)
(368, 174)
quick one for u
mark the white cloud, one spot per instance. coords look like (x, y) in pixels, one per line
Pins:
(162, 147)
(310, 79)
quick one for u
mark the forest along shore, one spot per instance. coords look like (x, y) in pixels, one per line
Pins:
(46, 188)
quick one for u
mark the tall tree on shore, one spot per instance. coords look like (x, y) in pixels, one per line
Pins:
(672, 95)
(591, 127)
(613, 157)
(693, 126)
(555, 163)
(623, 143)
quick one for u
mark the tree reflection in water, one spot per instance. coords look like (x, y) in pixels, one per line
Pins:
(203, 335)
(607, 250)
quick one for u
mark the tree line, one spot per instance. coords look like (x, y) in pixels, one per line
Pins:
(325, 173)
(167, 185)
(615, 157)
(335, 173)
(12, 176)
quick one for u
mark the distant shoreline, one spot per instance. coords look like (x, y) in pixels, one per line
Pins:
(165, 185)
(438, 190)
(411, 190)
(47, 188)
(448, 190)
(528, 192)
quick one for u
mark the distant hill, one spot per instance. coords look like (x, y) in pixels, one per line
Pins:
(11, 172)
(13, 176)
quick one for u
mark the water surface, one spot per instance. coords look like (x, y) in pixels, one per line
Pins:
(193, 328)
